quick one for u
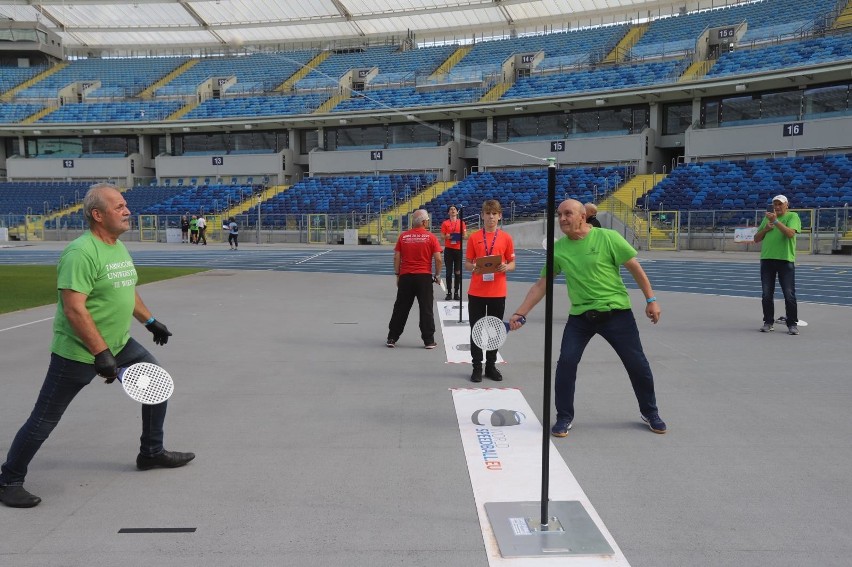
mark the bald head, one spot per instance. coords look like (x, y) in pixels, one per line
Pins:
(573, 205)
(591, 210)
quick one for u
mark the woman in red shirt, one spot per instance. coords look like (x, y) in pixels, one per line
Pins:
(454, 231)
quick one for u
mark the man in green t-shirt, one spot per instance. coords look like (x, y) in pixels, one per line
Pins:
(590, 258)
(777, 232)
(97, 301)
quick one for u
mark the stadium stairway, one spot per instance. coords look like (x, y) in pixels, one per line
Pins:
(375, 231)
(303, 72)
(247, 204)
(39, 115)
(328, 105)
(9, 95)
(183, 110)
(495, 92)
(451, 61)
(148, 93)
(696, 70)
(622, 49)
(844, 20)
(622, 202)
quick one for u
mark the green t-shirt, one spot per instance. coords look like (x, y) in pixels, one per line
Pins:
(776, 246)
(106, 274)
(193, 225)
(592, 270)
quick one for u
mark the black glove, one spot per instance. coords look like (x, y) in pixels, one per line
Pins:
(161, 333)
(106, 365)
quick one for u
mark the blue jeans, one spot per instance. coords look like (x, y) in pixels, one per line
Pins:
(65, 378)
(619, 329)
(786, 273)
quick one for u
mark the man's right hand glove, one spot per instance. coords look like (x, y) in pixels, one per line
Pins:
(106, 365)
(160, 331)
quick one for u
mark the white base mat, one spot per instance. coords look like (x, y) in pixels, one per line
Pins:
(457, 335)
(501, 437)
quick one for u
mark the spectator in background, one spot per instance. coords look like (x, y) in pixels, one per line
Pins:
(592, 214)
(233, 233)
(454, 231)
(184, 229)
(778, 231)
(415, 252)
(193, 230)
(202, 230)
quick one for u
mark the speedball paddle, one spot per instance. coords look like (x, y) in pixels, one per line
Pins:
(146, 383)
(489, 333)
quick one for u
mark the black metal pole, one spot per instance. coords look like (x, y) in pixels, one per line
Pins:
(461, 268)
(548, 339)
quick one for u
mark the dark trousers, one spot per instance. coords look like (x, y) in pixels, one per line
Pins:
(477, 308)
(232, 240)
(786, 274)
(65, 378)
(619, 329)
(453, 262)
(202, 236)
(409, 287)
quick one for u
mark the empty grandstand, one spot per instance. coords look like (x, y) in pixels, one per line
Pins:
(643, 109)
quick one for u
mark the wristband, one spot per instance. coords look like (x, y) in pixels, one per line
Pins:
(651, 299)
(149, 321)
(518, 314)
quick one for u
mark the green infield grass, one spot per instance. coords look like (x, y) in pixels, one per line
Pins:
(30, 286)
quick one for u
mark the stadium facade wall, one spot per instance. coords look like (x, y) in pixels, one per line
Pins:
(767, 140)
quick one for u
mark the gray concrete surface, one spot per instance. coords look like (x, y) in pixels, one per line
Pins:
(317, 445)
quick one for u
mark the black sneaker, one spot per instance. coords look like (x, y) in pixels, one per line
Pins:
(430, 345)
(767, 327)
(166, 460)
(476, 375)
(492, 372)
(656, 424)
(391, 343)
(561, 427)
(456, 297)
(449, 297)
(18, 497)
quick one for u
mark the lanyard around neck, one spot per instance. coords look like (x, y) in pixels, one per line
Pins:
(493, 241)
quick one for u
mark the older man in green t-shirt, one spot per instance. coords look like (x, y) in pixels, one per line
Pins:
(97, 301)
(590, 259)
(777, 232)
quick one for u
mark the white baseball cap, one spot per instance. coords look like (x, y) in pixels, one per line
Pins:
(781, 198)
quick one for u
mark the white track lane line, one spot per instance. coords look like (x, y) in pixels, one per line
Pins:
(25, 324)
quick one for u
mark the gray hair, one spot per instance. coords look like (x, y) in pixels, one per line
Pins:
(94, 199)
(419, 217)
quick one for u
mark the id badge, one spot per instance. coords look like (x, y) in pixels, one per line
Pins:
(488, 277)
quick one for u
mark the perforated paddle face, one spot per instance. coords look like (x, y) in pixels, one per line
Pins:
(147, 383)
(489, 333)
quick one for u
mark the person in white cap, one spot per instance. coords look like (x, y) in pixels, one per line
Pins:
(777, 232)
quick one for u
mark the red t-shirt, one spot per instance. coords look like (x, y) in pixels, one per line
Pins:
(481, 244)
(416, 248)
(448, 229)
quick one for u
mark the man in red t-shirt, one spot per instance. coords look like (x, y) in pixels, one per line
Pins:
(415, 252)
(487, 292)
(454, 230)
